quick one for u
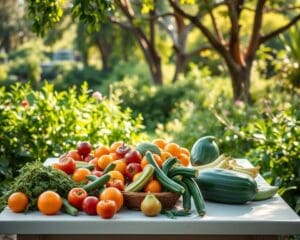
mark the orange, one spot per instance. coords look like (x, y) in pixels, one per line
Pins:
(114, 194)
(49, 203)
(161, 143)
(184, 159)
(116, 175)
(136, 176)
(144, 162)
(115, 145)
(185, 151)
(102, 150)
(114, 156)
(18, 202)
(80, 175)
(104, 161)
(120, 166)
(164, 156)
(173, 148)
(153, 186)
(157, 160)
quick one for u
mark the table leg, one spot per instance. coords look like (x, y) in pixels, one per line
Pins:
(145, 237)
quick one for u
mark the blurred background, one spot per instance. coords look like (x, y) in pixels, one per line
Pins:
(148, 71)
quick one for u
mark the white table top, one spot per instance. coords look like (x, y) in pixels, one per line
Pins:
(271, 217)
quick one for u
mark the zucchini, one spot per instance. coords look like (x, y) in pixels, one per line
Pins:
(226, 186)
(168, 164)
(142, 180)
(163, 178)
(91, 177)
(80, 164)
(109, 167)
(265, 192)
(99, 182)
(68, 208)
(143, 147)
(183, 171)
(186, 196)
(197, 196)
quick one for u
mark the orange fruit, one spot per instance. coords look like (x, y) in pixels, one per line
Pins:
(114, 156)
(116, 175)
(102, 150)
(49, 203)
(18, 202)
(161, 143)
(153, 186)
(104, 161)
(185, 151)
(120, 166)
(106, 208)
(80, 175)
(184, 159)
(173, 148)
(114, 194)
(136, 176)
(144, 162)
(164, 156)
(115, 145)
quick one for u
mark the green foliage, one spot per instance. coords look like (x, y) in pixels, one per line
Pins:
(53, 122)
(45, 14)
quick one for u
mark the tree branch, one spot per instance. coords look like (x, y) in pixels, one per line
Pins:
(279, 30)
(215, 26)
(120, 23)
(197, 51)
(255, 36)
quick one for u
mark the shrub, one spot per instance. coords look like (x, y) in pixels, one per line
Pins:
(38, 124)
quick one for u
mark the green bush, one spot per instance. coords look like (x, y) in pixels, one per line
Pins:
(36, 125)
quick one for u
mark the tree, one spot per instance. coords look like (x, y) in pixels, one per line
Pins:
(238, 58)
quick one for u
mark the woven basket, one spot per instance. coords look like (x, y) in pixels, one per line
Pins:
(133, 200)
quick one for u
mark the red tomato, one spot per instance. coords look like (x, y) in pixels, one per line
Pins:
(89, 205)
(76, 197)
(106, 208)
(84, 148)
(132, 169)
(133, 156)
(117, 183)
(88, 158)
(67, 164)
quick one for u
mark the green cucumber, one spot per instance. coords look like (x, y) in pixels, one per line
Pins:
(265, 192)
(186, 196)
(143, 147)
(163, 178)
(68, 208)
(168, 164)
(88, 166)
(196, 194)
(99, 182)
(142, 180)
(109, 168)
(180, 213)
(183, 171)
(91, 177)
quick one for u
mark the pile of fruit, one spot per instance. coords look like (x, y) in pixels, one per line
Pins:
(96, 181)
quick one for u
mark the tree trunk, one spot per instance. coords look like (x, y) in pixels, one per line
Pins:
(154, 63)
(105, 52)
(180, 65)
(240, 80)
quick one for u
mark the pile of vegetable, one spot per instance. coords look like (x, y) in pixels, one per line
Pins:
(94, 181)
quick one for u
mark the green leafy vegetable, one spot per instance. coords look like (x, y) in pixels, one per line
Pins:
(34, 179)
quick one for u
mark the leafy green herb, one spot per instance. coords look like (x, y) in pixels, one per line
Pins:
(34, 179)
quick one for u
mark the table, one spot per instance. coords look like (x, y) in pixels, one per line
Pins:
(255, 220)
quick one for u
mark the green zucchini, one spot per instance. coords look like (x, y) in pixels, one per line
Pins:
(186, 196)
(110, 167)
(80, 164)
(99, 182)
(168, 164)
(265, 192)
(163, 178)
(196, 194)
(143, 147)
(142, 180)
(91, 177)
(68, 208)
(226, 186)
(183, 171)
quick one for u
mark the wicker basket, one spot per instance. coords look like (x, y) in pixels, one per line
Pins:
(133, 200)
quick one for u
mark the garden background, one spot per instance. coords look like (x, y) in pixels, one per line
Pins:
(103, 71)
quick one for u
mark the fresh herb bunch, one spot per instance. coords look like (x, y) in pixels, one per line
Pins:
(34, 179)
